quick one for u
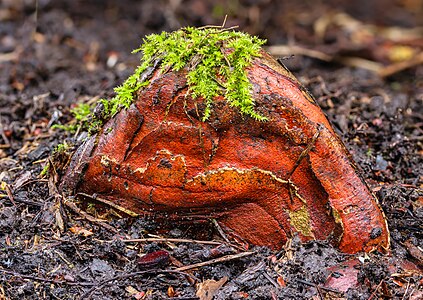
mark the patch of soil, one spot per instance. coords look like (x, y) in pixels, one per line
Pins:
(56, 54)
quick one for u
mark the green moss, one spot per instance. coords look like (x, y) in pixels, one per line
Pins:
(45, 170)
(61, 148)
(216, 59)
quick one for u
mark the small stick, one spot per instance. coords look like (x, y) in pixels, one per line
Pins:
(283, 50)
(400, 66)
(10, 195)
(215, 260)
(319, 292)
(305, 151)
(406, 290)
(171, 240)
(220, 230)
(87, 294)
(375, 291)
(321, 287)
(218, 27)
(224, 22)
(41, 279)
(111, 204)
(275, 284)
(90, 218)
(31, 182)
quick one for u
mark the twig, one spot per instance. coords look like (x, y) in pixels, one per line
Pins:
(224, 22)
(171, 240)
(321, 287)
(41, 279)
(283, 50)
(3, 135)
(375, 291)
(305, 151)
(111, 204)
(319, 292)
(218, 27)
(215, 260)
(359, 62)
(406, 290)
(87, 294)
(4, 57)
(400, 66)
(29, 202)
(30, 182)
(90, 218)
(10, 195)
(220, 230)
(275, 284)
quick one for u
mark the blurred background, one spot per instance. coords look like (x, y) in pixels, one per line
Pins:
(101, 33)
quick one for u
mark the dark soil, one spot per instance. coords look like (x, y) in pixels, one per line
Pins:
(54, 54)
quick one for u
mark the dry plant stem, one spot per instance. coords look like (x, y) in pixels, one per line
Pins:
(5, 57)
(398, 67)
(165, 240)
(88, 217)
(283, 50)
(41, 279)
(10, 195)
(214, 261)
(305, 152)
(220, 230)
(270, 279)
(406, 291)
(319, 292)
(361, 63)
(321, 287)
(87, 294)
(376, 289)
(31, 182)
(111, 204)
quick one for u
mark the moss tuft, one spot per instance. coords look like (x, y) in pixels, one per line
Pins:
(216, 59)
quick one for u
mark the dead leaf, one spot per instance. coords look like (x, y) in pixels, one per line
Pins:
(208, 288)
(171, 292)
(80, 230)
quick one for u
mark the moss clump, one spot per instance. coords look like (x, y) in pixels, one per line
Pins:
(216, 59)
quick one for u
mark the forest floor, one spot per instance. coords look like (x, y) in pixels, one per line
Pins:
(56, 54)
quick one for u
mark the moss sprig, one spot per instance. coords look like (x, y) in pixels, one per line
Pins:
(216, 59)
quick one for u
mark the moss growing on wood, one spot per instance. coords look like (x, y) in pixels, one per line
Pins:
(216, 59)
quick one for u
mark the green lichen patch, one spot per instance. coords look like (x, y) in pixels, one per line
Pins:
(300, 220)
(216, 60)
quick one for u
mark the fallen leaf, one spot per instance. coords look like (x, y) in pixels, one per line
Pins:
(208, 288)
(343, 276)
(171, 292)
(281, 281)
(80, 230)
